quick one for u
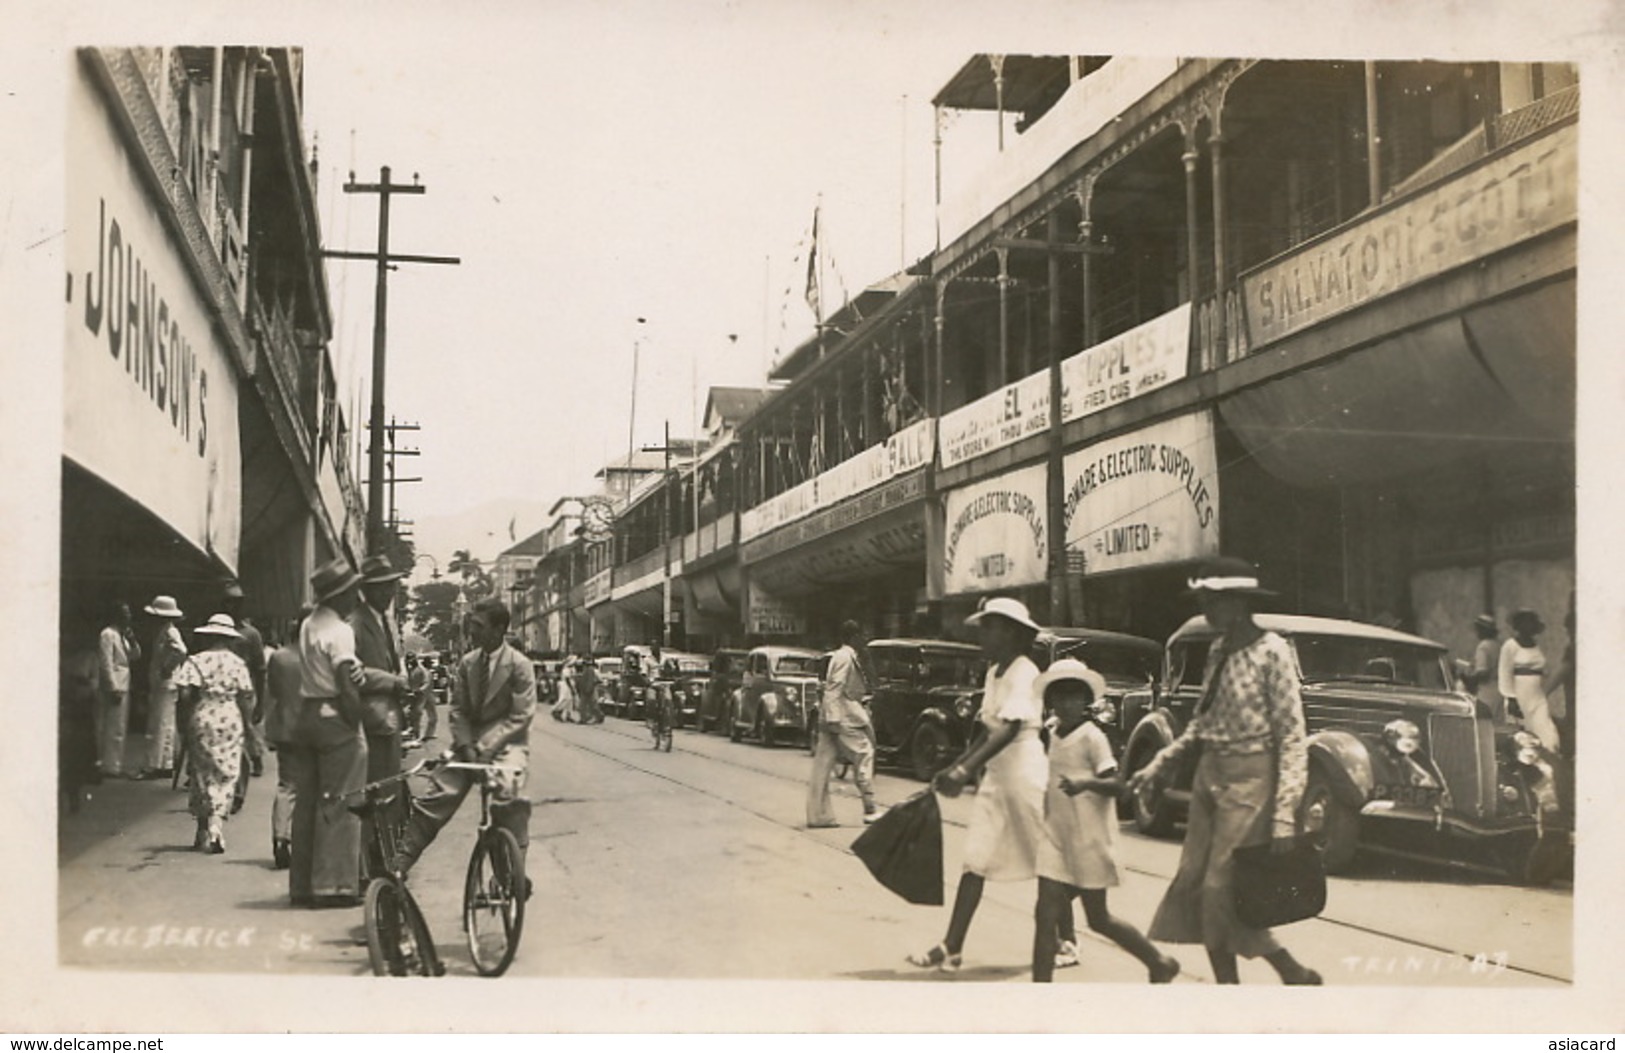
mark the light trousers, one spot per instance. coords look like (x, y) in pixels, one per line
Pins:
(112, 724)
(849, 742)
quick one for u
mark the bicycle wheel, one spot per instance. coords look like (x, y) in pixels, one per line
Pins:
(398, 939)
(494, 901)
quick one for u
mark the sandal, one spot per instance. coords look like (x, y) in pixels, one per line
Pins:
(937, 958)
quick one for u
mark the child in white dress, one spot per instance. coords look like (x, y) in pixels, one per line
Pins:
(1075, 859)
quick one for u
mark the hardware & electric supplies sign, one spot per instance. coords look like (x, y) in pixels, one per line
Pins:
(997, 533)
(1149, 356)
(149, 397)
(1143, 499)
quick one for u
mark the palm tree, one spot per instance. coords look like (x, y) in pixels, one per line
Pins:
(476, 582)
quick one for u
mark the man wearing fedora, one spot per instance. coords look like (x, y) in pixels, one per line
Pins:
(168, 651)
(493, 701)
(383, 683)
(327, 753)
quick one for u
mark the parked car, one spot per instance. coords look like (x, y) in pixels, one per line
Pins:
(683, 674)
(547, 680)
(609, 678)
(727, 671)
(632, 686)
(926, 696)
(778, 686)
(1399, 760)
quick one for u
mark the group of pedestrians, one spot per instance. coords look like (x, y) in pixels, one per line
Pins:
(1515, 681)
(576, 692)
(1048, 812)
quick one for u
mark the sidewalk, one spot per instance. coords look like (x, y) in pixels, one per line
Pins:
(134, 894)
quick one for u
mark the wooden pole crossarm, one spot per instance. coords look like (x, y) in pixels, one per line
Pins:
(394, 257)
(1065, 247)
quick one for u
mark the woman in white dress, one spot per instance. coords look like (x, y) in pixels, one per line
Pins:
(1523, 676)
(1007, 821)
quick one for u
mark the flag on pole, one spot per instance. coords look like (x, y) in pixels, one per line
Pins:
(812, 271)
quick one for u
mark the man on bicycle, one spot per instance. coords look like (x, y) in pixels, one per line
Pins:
(493, 700)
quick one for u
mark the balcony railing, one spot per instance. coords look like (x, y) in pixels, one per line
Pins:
(1494, 134)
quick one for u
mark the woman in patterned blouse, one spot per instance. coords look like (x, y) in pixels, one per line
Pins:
(1249, 780)
(216, 680)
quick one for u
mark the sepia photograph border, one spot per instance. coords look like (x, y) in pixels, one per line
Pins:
(38, 995)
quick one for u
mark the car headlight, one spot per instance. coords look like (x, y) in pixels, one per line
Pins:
(1104, 712)
(1402, 736)
(963, 708)
(1528, 748)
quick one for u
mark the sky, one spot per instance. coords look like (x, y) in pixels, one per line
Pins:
(596, 164)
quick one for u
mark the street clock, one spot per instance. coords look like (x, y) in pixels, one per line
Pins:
(597, 518)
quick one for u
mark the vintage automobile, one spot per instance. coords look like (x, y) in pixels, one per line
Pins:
(677, 675)
(778, 686)
(608, 668)
(727, 671)
(1399, 760)
(925, 699)
(632, 685)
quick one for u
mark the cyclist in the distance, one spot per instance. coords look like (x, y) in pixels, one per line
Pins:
(493, 701)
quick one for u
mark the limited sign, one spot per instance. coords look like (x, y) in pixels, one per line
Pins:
(1146, 498)
(997, 533)
(149, 396)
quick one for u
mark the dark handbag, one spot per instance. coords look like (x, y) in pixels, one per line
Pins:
(903, 849)
(1279, 889)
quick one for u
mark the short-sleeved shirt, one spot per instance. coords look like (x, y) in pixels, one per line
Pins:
(325, 642)
(219, 674)
(1081, 826)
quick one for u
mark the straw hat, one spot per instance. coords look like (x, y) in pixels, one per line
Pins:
(218, 625)
(1004, 607)
(377, 568)
(164, 607)
(1227, 574)
(333, 578)
(1485, 622)
(1070, 669)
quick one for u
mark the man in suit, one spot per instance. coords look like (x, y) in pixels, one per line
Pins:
(383, 684)
(493, 701)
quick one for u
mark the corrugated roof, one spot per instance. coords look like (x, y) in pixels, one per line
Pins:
(734, 404)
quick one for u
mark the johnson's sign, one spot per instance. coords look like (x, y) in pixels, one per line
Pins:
(149, 395)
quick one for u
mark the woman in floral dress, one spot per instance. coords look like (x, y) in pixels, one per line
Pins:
(215, 678)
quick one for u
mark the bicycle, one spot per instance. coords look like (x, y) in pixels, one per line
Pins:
(495, 887)
(398, 939)
(661, 716)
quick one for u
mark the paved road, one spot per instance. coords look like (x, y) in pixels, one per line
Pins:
(696, 864)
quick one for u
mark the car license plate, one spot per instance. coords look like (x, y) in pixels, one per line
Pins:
(1424, 796)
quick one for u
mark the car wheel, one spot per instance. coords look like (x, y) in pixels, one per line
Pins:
(1330, 824)
(929, 750)
(733, 721)
(1153, 812)
(764, 729)
(1538, 864)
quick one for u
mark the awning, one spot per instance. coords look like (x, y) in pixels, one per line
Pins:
(715, 591)
(1470, 383)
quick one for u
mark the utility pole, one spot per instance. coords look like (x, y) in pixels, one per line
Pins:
(392, 522)
(665, 537)
(385, 262)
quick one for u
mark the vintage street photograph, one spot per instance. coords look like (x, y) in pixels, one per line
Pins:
(620, 494)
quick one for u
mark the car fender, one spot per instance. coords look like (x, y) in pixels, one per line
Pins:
(769, 703)
(1346, 760)
(1154, 731)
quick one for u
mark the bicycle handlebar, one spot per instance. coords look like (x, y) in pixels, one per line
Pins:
(422, 767)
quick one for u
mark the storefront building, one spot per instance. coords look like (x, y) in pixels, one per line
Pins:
(202, 441)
